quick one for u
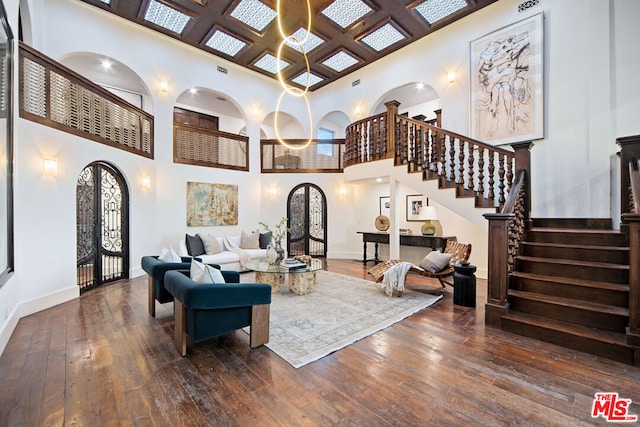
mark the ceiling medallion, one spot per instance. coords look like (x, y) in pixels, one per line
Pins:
(294, 91)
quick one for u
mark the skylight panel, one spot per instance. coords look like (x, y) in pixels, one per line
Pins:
(346, 12)
(340, 61)
(254, 13)
(225, 43)
(435, 10)
(302, 79)
(312, 41)
(166, 17)
(383, 37)
(269, 63)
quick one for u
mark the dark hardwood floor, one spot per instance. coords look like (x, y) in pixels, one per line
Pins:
(101, 360)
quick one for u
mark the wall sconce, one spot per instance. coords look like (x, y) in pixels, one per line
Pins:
(342, 192)
(255, 113)
(50, 167)
(164, 86)
(358, 111)
(273, 191)
(451, 76)
(145, 183)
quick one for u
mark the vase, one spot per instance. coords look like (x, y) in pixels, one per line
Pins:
(280, 251)
(272, 254)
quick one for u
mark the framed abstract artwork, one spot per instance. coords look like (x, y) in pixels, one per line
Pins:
(211, 204)
(507, 83)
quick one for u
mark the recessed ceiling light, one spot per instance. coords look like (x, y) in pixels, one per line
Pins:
(166, 17)
(311, 41)
(225, 43)
(254, 13)
(435, 10)
(193, 91)
(383, 37)
(346, 12)
(106, 64)
(419, 85)
(269, 63)
(106, 1)
(302, 79)
(340, 61)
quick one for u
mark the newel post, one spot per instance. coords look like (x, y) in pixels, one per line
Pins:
(633, 331)
(498, 269)
(522, 155)
(438, 117)
(392, 111)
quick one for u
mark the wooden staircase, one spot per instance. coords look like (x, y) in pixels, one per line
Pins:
(570, 287)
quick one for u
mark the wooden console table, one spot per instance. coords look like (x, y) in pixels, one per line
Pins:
(433, 242)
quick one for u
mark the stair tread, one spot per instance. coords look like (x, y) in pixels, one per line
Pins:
(572, 281)
(570, 302)
(610, 337)
(575, 230)
(575, 262)
(572, 246)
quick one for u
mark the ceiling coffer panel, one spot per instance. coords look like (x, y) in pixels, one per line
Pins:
(345, 34)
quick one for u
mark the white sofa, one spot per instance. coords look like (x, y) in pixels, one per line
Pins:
(228, 259)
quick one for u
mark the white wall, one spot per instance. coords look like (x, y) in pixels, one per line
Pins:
(591, 97)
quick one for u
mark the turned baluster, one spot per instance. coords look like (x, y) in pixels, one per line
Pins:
(480, 172)
(471, 168)
(509, 174)
(501, 198)
(443, 155)
(433, 163)
(452, 159)
(492, 168)
(460, 180)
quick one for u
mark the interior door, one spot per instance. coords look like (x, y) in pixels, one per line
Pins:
(307, 213)
(102, 203)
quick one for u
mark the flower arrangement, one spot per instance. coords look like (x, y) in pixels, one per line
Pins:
(280, 230)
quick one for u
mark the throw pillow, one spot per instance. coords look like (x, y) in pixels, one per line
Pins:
(195, 247)
(435, 261)
(211, 244)
(169, 255)
(250, 240)
(202, 273)
(264, 240)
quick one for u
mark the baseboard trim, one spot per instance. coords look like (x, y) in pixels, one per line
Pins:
(35, 305)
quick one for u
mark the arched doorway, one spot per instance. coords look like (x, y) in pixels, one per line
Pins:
(307, 213)
(102, 224)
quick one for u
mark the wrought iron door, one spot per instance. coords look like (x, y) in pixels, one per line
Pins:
(307, 213)
(102, 202)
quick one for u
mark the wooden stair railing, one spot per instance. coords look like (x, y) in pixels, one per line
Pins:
(474, 168)
(632, 220)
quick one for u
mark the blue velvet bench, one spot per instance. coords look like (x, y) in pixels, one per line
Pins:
(205, 311)
(156, 270)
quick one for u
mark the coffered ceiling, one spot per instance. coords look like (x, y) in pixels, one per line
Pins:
(345, 35)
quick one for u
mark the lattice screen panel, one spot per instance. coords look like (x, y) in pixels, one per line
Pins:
(210, 148)
(77, 106)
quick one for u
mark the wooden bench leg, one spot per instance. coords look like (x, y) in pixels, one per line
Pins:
(152, 298)
(259, 334)
(180, 315)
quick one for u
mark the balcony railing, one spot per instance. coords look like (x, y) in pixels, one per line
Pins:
(320, 156)
(58, 97)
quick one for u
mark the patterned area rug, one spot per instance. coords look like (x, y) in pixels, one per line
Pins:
(340, 311)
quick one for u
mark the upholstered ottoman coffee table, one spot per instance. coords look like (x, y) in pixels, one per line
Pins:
(301, 280)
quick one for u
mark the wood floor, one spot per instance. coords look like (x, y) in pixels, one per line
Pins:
(101, 360)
